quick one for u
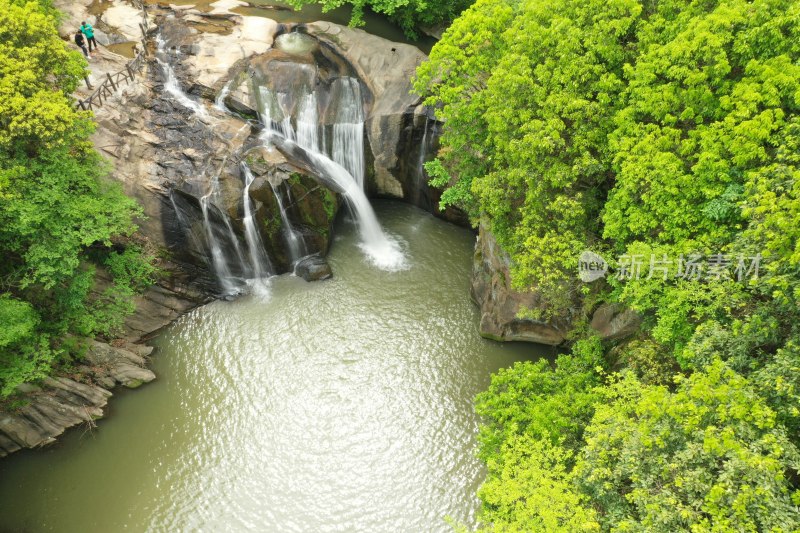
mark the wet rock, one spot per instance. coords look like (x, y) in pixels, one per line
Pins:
(501, 304)
(124, 366)
(47, 411)
(313, 268)
(310, 207)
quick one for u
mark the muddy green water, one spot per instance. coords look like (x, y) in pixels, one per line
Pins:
(343, 405)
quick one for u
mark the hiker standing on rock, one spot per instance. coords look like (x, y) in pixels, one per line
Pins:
(79, 40)
(88, 31)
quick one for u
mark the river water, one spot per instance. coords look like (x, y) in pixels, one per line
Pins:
(342, 405)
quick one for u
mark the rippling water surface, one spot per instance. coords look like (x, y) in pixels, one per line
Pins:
(344, 405)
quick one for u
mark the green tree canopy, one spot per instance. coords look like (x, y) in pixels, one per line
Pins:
(650, 130)
(59, 214)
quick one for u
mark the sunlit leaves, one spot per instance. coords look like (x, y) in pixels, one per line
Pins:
(707, 457)
(59, 213)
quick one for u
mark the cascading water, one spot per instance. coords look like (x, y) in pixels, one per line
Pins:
(255, 247)
(183, 222)
(382, 251)
(348, 147)
(423, 149)
(294, 240)
(219, 102)
(172, 85)
(308, 123)
(348, 129)
(218, 260)
(231, 235)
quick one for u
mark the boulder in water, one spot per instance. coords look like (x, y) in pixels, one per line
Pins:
(313, 268)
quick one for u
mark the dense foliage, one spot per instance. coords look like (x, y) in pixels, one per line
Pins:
(410, 15)
(60, 218)
(666, 131)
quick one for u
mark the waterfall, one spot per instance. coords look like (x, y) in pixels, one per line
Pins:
(423, 149)
(219, 102)
(294, 240)
(214, 193)
(259, 261)
(183, 222)
(348, 129)
(172, 85)
(218, 260)
(308, 123)
(381, 250)
(344, 172)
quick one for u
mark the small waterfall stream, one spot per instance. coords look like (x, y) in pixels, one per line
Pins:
(218, 260)
(259, 262)
(219, 101)
(348, 130)
(420, 180)
(172, 85)
(308, 123)
(294, 240)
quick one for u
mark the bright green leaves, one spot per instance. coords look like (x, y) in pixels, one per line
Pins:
(24, 352)
(59, 214)
(17, 320)
(455, 78)
(707, 457)
(657, 130)
(37, 73)
(703, 104)
(535, 416)
(59, 207)
(527, 93)
(530, 488)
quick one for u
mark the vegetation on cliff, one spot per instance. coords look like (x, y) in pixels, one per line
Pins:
(60, 217)
(663, 136)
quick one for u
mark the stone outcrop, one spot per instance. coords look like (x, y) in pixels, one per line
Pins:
(60, 402)
(614, 322)
(310, 208)
(503, 308)
(500, 304)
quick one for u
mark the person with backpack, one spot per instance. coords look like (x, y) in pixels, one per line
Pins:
(88, 32)
(79, 40)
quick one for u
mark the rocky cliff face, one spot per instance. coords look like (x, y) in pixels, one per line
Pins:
(501, 305)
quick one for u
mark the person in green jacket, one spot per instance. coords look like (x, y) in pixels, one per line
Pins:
(88, 31)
